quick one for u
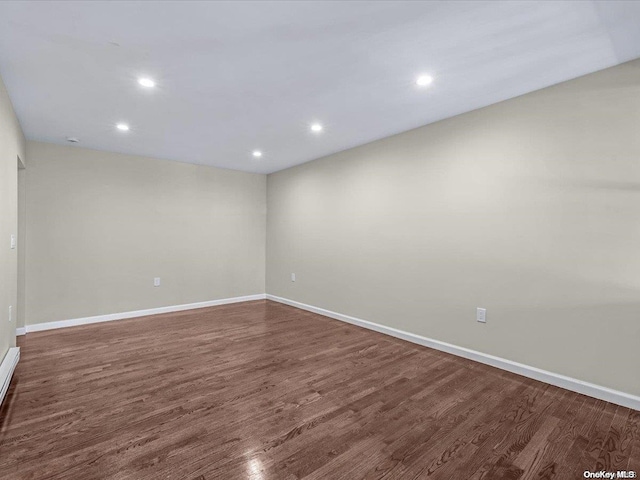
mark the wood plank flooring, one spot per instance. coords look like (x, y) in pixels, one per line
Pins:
(261, 390)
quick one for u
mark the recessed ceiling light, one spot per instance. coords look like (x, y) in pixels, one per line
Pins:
(316, 127)
(146, 82)
(123, 127)
(424, 80)
(257, 153)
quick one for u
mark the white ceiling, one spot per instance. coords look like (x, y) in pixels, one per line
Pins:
(238, 76)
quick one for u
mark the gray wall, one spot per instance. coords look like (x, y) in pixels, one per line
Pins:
(12, 146)
(101, 226)
(529, 208)
(22, 236)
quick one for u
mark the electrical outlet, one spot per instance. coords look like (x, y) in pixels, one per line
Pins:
(481, 315)
(156, 282)
(293, 277)
(13, 241)
(10, 313)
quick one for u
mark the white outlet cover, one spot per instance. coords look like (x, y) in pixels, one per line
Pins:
(293, 277)
(481, 315)
(13, 241)
(10, 313)
(156, 282)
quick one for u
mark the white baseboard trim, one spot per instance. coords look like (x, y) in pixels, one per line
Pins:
(74, 322)
(575, 385)
(21, 331)
(7, 367)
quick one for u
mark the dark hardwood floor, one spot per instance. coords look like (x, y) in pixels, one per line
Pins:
(261, 390)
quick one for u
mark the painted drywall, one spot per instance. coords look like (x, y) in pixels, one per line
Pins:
(101, 226)
(22, 230)
(12, 146)
(529, 208)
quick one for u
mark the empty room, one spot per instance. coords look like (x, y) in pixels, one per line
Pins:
(286, 240)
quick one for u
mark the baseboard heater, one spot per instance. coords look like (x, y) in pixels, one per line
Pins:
(6, 370)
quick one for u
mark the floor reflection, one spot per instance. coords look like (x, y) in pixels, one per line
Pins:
(254, 469)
